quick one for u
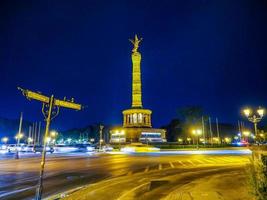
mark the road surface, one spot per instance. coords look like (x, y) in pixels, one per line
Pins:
(18, 178)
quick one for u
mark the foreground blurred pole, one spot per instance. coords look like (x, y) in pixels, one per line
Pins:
(50, 110)
(39, 134)
(48, 120)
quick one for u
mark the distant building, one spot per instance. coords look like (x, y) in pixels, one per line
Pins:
(136, 120)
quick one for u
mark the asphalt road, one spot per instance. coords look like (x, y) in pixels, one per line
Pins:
(18, 178)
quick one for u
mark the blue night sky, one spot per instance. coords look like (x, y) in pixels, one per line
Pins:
(194, 52)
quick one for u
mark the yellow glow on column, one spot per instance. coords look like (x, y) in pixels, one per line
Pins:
(136, 75)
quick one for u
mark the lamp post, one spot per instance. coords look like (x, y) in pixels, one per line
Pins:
(29, 140)
(255, 118)
(53, 136)
(197, 132)
(100, 137)
(18, 137)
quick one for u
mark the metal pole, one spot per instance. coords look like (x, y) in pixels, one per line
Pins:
(39, 133)
(29, 142)
(48, 120)
(197, 142)
(218, 133)
(33, 135)
(20, 125)
(35, 132)
(255, 129)
(119, 141)
(239, 129)
(100, 132)
(203, 130)
(18, 136)
(211, 139)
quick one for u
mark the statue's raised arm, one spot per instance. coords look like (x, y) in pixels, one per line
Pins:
(135, 42)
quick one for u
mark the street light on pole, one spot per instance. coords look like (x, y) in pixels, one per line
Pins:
(255, 118)
(50, 110)
(29, 140)
(197, 132)
(100, 136)
(53, 136)
(19, 136)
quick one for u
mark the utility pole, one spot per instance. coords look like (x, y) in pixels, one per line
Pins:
(35, 132)
(218, 133)
(50, 110)
(100, 137)
(203, 130)
(20, 126)
(211, 136)
(39, 133)
(19, 135)
(29, 136)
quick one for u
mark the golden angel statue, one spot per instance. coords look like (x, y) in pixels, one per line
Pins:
(135, 42)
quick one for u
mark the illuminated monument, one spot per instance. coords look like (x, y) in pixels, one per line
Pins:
(136, 120)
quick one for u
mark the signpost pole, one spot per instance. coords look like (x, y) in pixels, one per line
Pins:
(48, 120)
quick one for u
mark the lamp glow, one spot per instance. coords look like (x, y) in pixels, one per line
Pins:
(260, 111)
(48, 139)
(246, 133)
(30, 139)
(53, 134)
(247, 112)
(5, 139)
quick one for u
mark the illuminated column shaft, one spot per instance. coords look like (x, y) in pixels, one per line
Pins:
(136, 81)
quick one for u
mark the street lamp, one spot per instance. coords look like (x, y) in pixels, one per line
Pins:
(100, 136)
(92, 140)
(5, 139)
(48, 140)
(29, 140)
(197, 132)
(18, 137)
(253, 117)
(53, 134)
(189, 140)
(227, 140)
